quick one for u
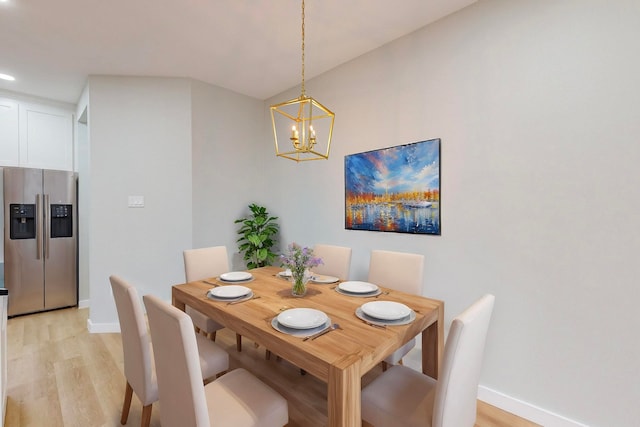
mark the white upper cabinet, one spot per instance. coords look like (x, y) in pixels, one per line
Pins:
(35, 136)
(46, 137)
(9, 133)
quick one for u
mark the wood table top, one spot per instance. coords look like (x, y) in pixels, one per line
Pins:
(355, 341)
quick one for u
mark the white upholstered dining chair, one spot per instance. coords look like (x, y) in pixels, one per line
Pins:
(402, 396)
(236, 399)
(138, 358)
(201, 264)
(336, 260)
(400, 271)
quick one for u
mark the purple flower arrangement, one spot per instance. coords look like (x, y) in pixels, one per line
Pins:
(299, 259)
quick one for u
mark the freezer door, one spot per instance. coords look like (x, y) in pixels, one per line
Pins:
(60, 281)
(24, 264)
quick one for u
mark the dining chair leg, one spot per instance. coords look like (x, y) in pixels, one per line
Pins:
(128, 393)
(239, 342)
(384, 366)
(212, 336)
(146, 416)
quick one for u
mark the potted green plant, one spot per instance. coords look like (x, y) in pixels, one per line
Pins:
(257, 237)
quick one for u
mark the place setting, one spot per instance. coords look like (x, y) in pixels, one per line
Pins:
(313, 277)
(235, 277)
(306, 323)
(354, 288)
(322, 279)
(230, 294)
(385, 313)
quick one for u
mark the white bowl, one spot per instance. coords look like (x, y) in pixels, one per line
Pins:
(356, 287)
(230, 291)
(236, 276)
(302, 318)
(386, 310)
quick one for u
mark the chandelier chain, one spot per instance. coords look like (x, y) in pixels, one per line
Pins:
(303, 92)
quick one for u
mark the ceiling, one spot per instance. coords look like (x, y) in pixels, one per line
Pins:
(249, 46)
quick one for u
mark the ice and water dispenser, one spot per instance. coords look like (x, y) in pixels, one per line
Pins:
(23, 221)
(61, 221)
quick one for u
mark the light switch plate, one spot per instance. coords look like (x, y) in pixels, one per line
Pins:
(136, 201)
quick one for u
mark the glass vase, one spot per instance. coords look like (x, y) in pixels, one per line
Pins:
(299, 284)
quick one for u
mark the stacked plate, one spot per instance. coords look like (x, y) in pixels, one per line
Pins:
(286, 274)
(358, 289)
(386, 313)
(322, 279)
(230, 293)
(301, 321)
(236, 277)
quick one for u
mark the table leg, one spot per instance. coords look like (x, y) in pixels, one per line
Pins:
(433, 346)
(344, 396)
(177, 303)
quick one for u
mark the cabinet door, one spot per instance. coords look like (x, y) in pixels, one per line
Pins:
(9, 135)
(46, 137)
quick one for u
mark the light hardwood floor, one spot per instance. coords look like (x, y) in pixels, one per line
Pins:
(60, 375)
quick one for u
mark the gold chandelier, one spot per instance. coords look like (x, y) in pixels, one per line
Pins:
(304, 125)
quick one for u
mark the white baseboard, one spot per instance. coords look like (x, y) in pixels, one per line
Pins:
(102, 328)
(525, 410)
(83, 303)
(507, 403)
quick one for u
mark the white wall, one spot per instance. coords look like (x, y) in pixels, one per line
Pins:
(536, 103)
(140, 137)
(226, 167)
(82, 163)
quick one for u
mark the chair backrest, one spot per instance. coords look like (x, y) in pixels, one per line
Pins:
(135, 341)
(336, 260)
(397, 270)
(205, 263)
(182, 397)
(457, 387)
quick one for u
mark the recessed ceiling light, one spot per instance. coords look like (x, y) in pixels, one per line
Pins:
(6, 76)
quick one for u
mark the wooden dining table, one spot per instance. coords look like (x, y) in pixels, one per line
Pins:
(340, 357)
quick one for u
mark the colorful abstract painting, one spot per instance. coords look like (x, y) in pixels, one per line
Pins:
(394, 189)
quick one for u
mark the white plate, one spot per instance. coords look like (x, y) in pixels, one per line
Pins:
(386, 310)
(302, 318)
(351, 294)
(319, 278)
(298, 332)
(356, 287)
(236, 299)
(286, 273)
(230, 291)
(236, 276)
(403, 321)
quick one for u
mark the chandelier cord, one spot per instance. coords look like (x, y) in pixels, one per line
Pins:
(303, 91)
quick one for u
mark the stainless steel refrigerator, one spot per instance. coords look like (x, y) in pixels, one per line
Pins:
(40, 239)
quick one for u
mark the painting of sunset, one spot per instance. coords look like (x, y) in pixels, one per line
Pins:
(394, 189)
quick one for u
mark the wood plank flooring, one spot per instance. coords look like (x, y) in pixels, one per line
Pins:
(60, 375)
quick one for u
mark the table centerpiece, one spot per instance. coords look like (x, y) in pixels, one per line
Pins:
(299, 260)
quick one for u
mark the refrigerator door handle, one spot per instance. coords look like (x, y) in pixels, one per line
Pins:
(45, 235)
(38, 227)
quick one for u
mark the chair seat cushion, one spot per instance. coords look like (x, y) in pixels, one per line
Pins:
(399, 397)
(213, 359)
(203, 322)
(241, 400)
